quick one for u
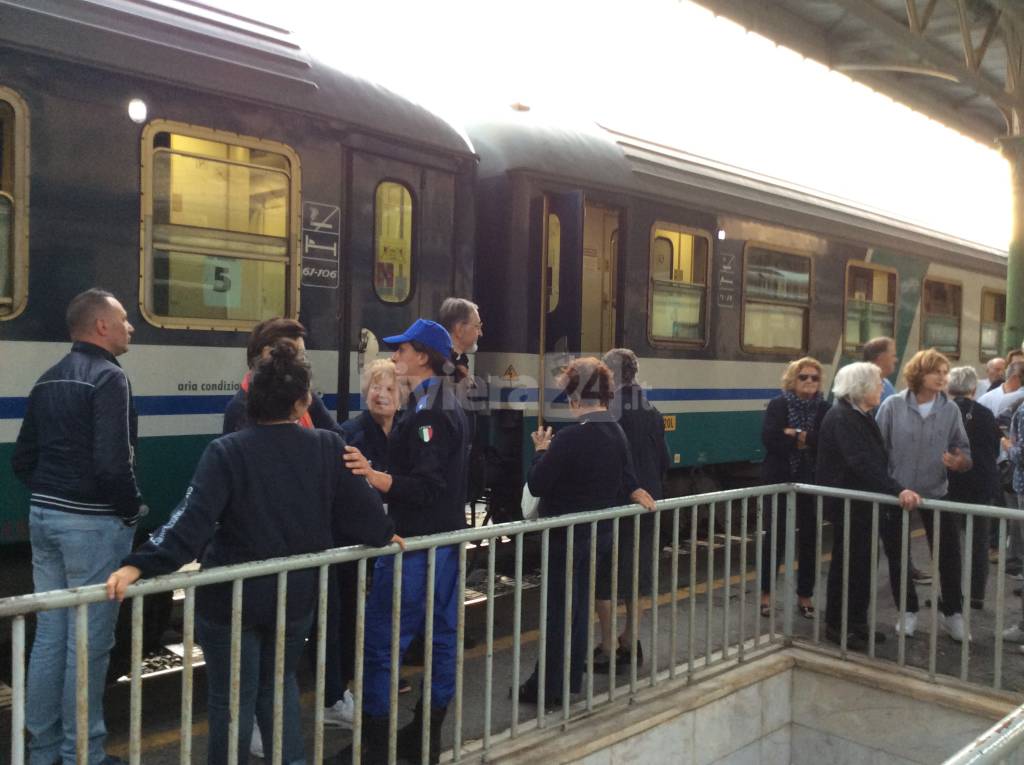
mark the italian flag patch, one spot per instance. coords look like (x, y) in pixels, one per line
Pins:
(426, 433)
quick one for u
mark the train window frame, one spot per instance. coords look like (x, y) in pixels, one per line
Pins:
(661, 341)
(982, 356)
(864, 265)
(959, 319)
(293, 256)
(413, 240)
(777, 351)
(15, 192)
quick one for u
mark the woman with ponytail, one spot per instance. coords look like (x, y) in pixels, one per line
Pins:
(269, 490)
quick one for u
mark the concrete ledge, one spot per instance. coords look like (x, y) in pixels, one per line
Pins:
(909, 682)
(670, 715)
(627, 717)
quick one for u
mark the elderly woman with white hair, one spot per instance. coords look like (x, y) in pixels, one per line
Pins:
(975, 486)
(852, 455)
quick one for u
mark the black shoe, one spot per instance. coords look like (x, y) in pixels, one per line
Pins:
(528, 695)
(403, 685)
(410, 736)
(374, 740)
(920, 577)
(861, 631)
(978, 604)
(854, 642)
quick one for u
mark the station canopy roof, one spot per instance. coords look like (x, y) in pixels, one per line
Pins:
(957, 61)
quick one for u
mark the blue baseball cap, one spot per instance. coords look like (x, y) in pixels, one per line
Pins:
(430, 333)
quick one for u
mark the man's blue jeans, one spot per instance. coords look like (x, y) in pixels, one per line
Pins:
(256, 687)
(377, 649)
(70, 550)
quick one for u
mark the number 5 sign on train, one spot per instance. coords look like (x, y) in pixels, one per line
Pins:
(321, 240)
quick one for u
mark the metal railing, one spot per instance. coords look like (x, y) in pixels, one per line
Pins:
(728, 634)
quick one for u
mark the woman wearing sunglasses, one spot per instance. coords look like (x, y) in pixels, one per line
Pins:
(790, 437)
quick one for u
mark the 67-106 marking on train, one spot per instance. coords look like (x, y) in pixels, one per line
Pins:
(321, 239)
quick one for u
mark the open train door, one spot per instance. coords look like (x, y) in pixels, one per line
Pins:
(579, 255)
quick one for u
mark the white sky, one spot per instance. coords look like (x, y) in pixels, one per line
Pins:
(670, 72)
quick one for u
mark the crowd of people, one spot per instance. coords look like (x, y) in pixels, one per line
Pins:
(931, 440)
(286, 478)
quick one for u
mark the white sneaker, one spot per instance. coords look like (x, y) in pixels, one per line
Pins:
(906, 624)
(256, 742)
(954, 626)
(340, 715)
(1013, 634)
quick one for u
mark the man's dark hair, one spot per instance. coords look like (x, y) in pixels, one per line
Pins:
(85, 308)
(455, 310)
(278, 382)
(435, 359)
(876, 347)
(268, 332)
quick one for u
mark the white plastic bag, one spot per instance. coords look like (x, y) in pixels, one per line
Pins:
(530, 504)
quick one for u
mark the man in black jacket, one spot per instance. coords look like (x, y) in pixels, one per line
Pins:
(76, 453)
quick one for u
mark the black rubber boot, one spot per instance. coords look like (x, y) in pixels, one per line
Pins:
(410, 736)
(375, 743)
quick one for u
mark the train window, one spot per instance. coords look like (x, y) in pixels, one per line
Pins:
(679, 279)
(554, 259)
(940, 317)
(776, 300)
(219, 228)
(13, 204)
(993, 318)
(392, 266)
(870, 305)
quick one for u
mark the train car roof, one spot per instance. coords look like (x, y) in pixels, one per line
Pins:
(595, 157)
(188, 43)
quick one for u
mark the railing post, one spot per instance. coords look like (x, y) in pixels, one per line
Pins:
(18, 691)
(789, 581)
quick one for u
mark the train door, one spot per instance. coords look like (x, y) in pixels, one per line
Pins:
(578, 286)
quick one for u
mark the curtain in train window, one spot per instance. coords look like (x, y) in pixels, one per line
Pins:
(7, 175)
(220, 231)
(554, 259)
(993, 319)
(776, 300)
(870, 305)
(940, 317)
(393, 221)
(679, 269)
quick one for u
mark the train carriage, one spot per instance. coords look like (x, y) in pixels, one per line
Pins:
(210, 173)
(590, 239)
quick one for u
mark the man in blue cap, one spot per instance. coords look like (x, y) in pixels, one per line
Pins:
(425, 493)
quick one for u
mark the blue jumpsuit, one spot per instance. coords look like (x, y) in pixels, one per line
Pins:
(427, 456)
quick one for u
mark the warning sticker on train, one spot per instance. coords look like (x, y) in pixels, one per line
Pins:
(426, 433)
(321, 239)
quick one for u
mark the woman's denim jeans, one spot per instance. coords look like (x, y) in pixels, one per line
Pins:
(256, 687)
(70, 550)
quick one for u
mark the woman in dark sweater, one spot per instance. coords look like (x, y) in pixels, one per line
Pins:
(270, 490)
(975, 485)
(852, 455)
(587, 466)
(792, 422)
